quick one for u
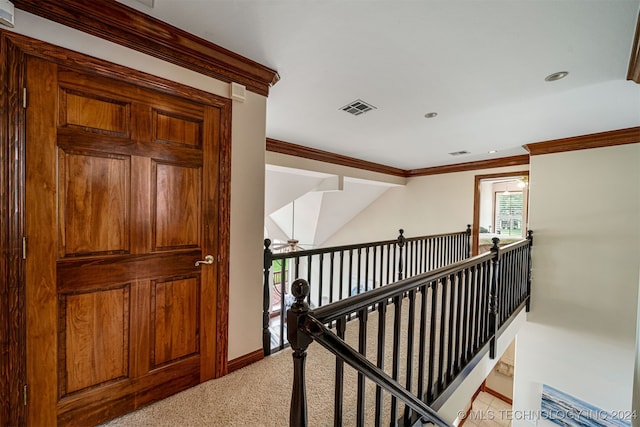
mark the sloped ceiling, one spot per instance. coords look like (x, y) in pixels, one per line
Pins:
(309, 207)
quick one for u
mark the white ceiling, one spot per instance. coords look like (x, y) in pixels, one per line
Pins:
(479, 64)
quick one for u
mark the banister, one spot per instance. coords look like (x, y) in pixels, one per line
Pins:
(337, 272)
(303, 329)
(489, 290)
(354, 303)
(316, 251)
(323, 336)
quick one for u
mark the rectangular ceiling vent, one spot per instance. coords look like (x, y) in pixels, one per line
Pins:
(357, 107)
(459, 153)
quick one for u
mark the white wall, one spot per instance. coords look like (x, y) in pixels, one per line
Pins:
(247, 170)
(636, 377)
(461, 398)
(425, 205)
(581, 333)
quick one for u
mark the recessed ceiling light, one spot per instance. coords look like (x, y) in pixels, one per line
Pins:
(493, 151)
(556, 76)
(431, 115)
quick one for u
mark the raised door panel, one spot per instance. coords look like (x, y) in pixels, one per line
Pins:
(94, 112)
(175, 319)
(172, 128)
(94, 338)
(177, 206)
(94, 203)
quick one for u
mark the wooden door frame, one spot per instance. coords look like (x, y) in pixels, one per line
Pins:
(15, 48)
(475, 229)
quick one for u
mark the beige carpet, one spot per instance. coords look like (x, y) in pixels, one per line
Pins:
(260, 394)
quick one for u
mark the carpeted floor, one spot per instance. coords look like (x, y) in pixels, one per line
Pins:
(260, 394)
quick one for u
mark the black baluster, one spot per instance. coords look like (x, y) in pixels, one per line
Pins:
(382, 325)
(341, 281)
(362, 349)
(266, 298)
(320, 277)
(493, 297)
(299, 343)
(397, 319)
(341, 326)
(468, 241)
(401, 241)
(422, 343)
(374, 266)
(442, 340)
(331, 275)
(529, 266)
(359, 271)
(459, 331)
(410, 343)
(473, 313)
(464, 348)
(452, 315)
(432, 343)
(309, 271)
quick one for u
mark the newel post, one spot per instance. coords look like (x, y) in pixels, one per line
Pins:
(468, 248)
(299, 343)
(266, 299)
(401, 242)
(493, 297)
(530, 238)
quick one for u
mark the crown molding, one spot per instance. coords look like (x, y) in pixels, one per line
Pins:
(469, 166)
(282, 147)
(290, 149)
(583, 142)
(128, 27)
(596, 140)
(634, 61)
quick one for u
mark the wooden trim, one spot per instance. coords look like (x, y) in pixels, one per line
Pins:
(522, 159)
(494, 393)
(12, 266)
(128, 27)
(282, 147)
(277, 146)
(634, 61)
(475, 229)
(583, 142)
(465, 416)
(224, 243)
(246, 360)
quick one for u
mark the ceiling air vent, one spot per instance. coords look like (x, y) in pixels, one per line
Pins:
(459, 153)
(357, 107)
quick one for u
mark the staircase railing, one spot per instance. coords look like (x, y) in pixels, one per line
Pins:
(453, 317)
(335, 273)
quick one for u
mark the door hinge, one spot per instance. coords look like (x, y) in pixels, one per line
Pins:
(24, 97)
(24, 247)
(24, 395)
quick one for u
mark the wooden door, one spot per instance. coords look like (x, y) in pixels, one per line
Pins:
(121, 201)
